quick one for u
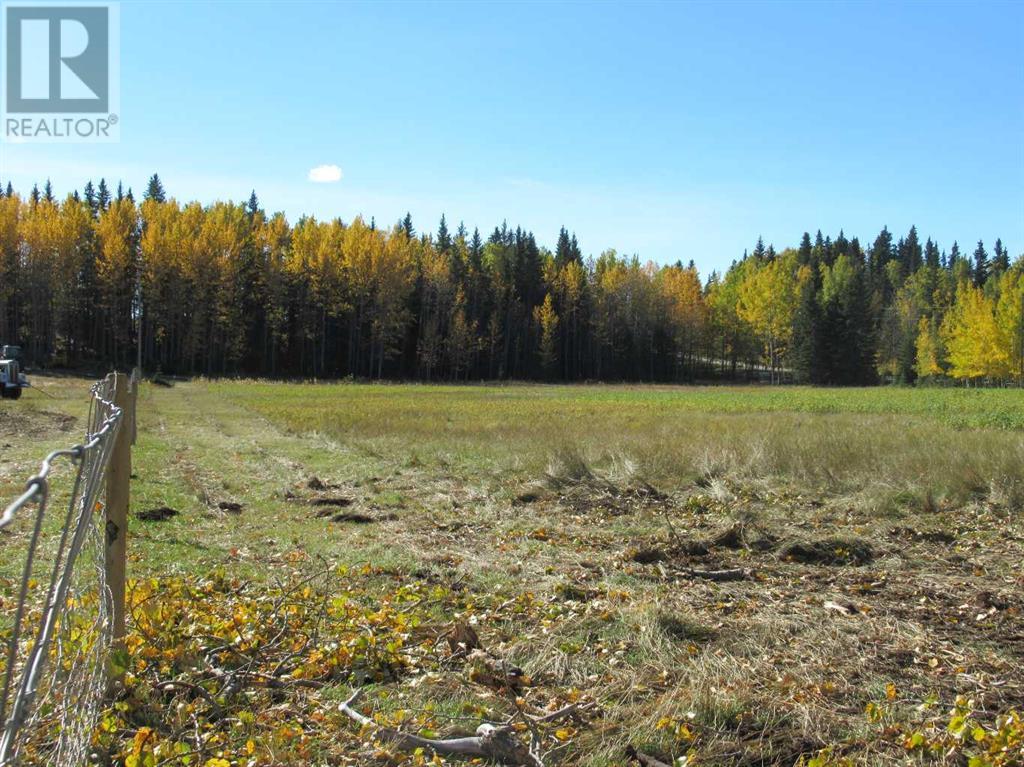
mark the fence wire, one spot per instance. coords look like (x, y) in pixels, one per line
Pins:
(56, 636)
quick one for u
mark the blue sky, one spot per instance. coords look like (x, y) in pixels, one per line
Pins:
(672, 130)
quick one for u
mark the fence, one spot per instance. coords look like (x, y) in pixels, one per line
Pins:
(68, 609)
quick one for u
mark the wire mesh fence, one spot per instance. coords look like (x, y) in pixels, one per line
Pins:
(56, 631)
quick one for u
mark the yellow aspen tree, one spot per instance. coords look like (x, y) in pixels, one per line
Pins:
(972, 337)
(38, 228)
(10, 216)
(571, 283)
(686, 311)
(767, 302)
(392, 283)
(116, 271)
(928, 348)
(273, 238)
(53, 236)
(300, 261)
(225, 236)
(547, 319)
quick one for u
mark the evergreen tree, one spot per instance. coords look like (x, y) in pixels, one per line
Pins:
(48, 191)
(829, 251)
(476, 246)
(119, 196)
(856, 252)
(931, 255)
(807, 351)
(253, 206)
(155, 190)
(848, 347)
(841, 247)
(911, 256)
(90, 198)
(563, 249)
(103, 195)
(982, 267)
(759, 251)
(954, 255)
(407, 226)
(574, 249)
(529, 271)
(860, 332)
(34, 197)
(818, 252)
(881, 252)
(444, 238)
(1001, 258)
(803, 253)
(10, 190)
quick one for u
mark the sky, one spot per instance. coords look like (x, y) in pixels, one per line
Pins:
(674, 131)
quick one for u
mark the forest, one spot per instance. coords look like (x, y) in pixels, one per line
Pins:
(230, 289)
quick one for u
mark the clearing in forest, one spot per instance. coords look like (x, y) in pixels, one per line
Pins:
(710, 576)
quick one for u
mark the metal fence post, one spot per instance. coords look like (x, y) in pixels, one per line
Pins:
(118, 478)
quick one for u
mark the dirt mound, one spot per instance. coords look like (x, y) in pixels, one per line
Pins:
(648, 555)
(336, 502)
(828, 551)
(158, 514)
(734, 538)
(356, 517)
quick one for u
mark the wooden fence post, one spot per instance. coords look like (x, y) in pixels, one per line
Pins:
(118, 478)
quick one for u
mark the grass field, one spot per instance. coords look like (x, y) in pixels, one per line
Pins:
(722, 576)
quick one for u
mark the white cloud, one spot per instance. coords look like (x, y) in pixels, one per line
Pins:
(325, 174)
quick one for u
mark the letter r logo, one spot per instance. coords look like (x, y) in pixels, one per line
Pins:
(57, 59)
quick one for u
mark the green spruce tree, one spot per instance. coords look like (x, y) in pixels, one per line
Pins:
(981, 267)
(155, 190)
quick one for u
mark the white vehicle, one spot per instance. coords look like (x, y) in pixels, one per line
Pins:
(12, 380)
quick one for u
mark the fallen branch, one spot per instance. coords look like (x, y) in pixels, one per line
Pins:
(572, 710)
(171, 685)
(735, 574)
(491, 741)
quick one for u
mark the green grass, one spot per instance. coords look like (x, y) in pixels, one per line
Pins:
(460, 407)
(527, 505)
(883, 437)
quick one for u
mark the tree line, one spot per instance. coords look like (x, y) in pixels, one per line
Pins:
(231, 289)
